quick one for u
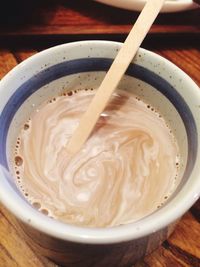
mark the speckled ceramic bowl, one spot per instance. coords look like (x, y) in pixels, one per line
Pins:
(83, 65)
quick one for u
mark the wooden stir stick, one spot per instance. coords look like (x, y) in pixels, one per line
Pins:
(114, 74)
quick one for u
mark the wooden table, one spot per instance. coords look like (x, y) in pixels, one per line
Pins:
(46, 23)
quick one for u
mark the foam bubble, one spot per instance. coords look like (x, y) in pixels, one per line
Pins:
(70, 93)
(36, 205)
(45, 211)
(18, 160)
(26, 126)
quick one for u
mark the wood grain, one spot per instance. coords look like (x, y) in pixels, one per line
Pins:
(61, 17)
(182, 248)
(7, 62)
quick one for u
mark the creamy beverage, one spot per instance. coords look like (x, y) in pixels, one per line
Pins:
(126, 170)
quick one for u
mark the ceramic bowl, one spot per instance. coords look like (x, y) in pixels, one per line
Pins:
(83, 65)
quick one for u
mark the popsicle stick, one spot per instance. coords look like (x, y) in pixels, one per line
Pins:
(114, 74)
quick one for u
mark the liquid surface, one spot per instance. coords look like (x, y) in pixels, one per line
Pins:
(125, 171)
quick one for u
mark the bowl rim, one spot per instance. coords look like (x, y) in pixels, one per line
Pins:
(137, 5)
(146, 226)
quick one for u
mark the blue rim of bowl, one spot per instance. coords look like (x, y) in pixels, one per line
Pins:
(98, 64)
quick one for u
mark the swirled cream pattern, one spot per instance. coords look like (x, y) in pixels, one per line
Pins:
(124, 172)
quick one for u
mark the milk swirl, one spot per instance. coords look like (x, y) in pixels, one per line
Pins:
(126, 169)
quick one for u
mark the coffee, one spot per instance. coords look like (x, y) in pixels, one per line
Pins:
(126, 170)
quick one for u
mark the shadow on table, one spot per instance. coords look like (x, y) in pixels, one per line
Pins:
(17, 13)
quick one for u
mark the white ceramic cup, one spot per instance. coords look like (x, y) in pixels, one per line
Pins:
(66, 67)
